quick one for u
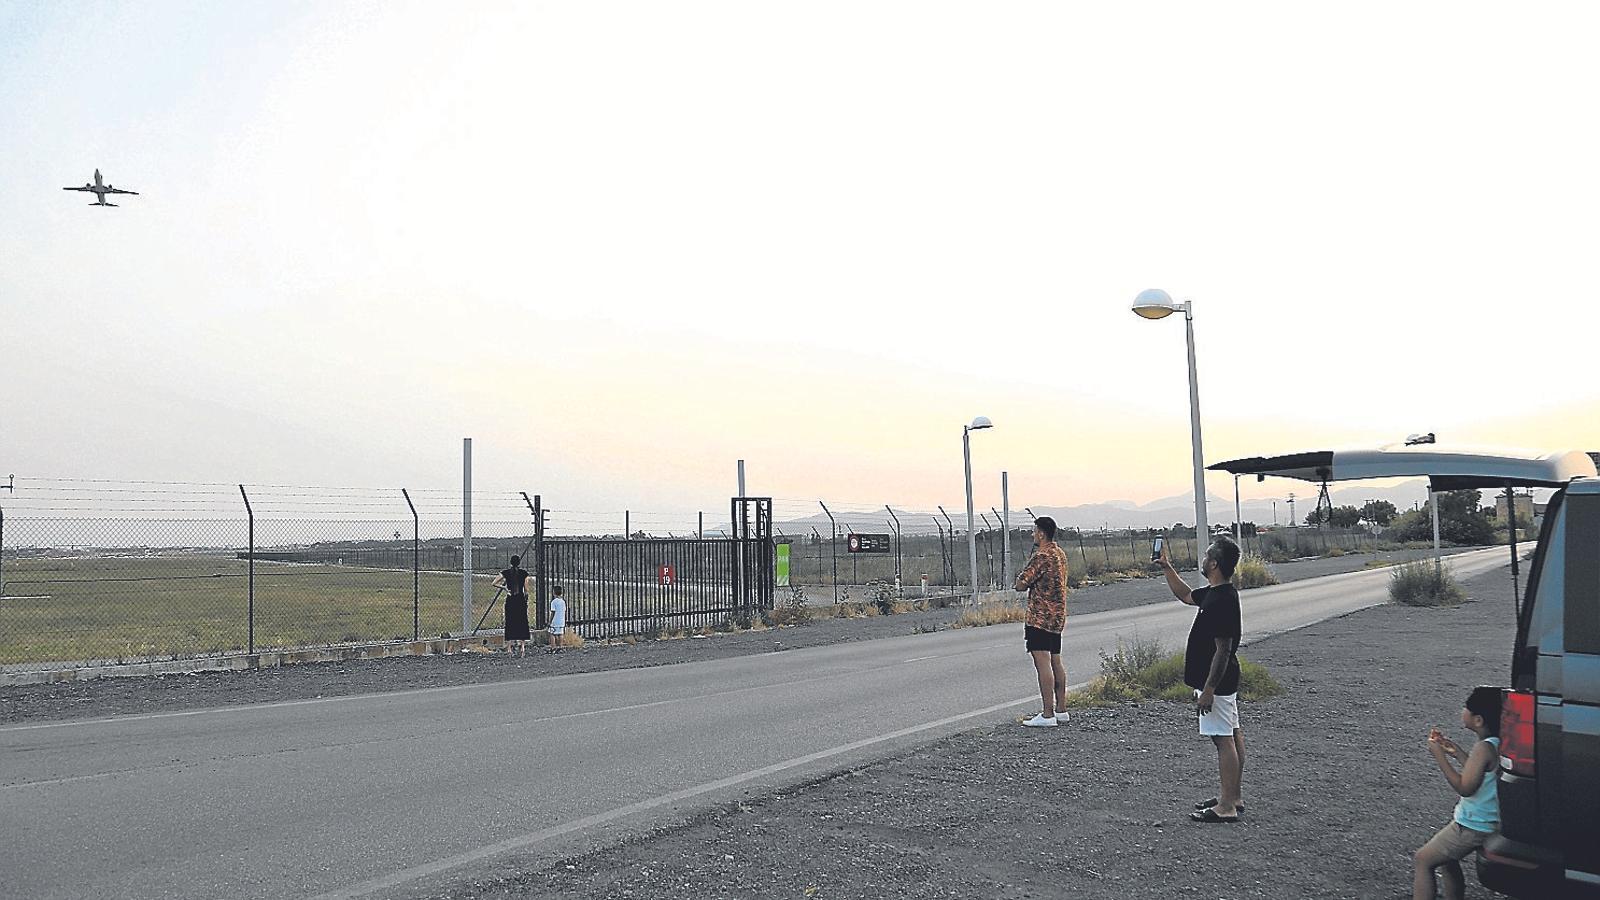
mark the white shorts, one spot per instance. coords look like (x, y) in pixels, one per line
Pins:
(1223, 718)
(557, 630)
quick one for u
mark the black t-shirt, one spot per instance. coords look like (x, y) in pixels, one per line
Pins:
(1218, 617)
(516, 581)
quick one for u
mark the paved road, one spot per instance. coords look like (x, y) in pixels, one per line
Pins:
(379, 795)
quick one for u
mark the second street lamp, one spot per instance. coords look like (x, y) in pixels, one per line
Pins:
(978, 424)
(1157, 304)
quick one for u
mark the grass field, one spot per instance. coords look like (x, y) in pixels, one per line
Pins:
(162, 605)
(178, 604)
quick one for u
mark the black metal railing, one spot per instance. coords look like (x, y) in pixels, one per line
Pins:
(615, 587)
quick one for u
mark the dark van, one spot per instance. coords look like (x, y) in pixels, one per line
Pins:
(1549, 840)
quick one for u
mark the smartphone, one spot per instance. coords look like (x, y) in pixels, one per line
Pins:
(1155, 551)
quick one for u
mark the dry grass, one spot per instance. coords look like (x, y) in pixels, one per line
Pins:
(991, 614)
(570, 639)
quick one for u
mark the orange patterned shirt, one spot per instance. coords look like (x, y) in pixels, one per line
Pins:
(1045, 579)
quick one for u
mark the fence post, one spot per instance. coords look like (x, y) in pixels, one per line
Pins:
(250, 559)
(416, 567)
(899, 591)
(543, 614)
(833, 549)
(2, 551)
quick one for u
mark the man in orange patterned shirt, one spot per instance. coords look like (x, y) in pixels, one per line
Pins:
(1045, 580)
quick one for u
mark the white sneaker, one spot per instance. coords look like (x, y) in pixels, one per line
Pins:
(1063, 717)
(1039, 721)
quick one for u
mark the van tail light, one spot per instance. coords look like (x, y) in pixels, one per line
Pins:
(1516, 732)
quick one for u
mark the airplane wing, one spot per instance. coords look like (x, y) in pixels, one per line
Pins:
(90, 190)
(121, 191)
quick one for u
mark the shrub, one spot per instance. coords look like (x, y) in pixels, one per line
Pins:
(795, 610)
(1253, 572)
(1255, 682)
(1424, 583)
(1142, 670)
(882, 595)
(1130, 659)
(1336, 551)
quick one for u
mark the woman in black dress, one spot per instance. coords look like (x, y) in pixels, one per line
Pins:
(515, 581)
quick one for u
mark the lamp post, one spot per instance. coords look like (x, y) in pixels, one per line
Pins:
(978, 424)
(1157, 304)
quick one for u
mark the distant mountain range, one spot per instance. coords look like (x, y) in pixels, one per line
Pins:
(1162, 512)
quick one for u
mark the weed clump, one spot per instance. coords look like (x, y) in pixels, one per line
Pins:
(1424, 583)
(1253, 572)
(795, 610)
(1142, 669)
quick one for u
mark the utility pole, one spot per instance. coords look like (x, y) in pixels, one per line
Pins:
(1293, 522)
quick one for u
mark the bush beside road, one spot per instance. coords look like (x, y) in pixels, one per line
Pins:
(1339, 786)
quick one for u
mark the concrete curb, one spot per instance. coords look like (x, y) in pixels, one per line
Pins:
(239, 662)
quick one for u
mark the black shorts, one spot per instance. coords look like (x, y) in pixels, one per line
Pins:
(1039, 639)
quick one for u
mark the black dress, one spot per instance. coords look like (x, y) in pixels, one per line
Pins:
(516, 604)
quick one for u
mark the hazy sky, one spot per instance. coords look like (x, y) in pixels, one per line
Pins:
(622, 245)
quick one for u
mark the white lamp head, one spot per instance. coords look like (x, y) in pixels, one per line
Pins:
(980, 422)
(1155, 304)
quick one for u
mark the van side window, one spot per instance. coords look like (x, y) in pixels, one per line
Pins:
(1546, 624)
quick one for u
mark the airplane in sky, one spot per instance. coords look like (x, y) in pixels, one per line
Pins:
(100, 189)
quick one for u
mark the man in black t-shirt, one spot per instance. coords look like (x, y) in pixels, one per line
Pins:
(1211, 668)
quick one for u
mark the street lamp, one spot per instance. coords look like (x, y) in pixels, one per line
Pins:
(978, 424)
(1157, 304)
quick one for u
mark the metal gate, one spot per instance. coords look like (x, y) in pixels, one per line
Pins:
(756, 555)
(615, 587)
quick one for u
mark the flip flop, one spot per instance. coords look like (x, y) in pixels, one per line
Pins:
(1210, 816)
(1207, 804)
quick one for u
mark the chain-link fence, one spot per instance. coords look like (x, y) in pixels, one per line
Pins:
(824, 564)
(114, 572)
(122, 589)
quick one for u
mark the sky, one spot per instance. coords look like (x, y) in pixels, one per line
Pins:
(622, 245)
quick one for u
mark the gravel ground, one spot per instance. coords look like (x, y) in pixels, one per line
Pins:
(121, 696)
(1339, 785)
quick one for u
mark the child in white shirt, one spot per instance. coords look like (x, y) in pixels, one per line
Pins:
(558, 617)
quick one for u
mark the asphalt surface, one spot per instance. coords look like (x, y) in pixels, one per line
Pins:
(385, 794)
